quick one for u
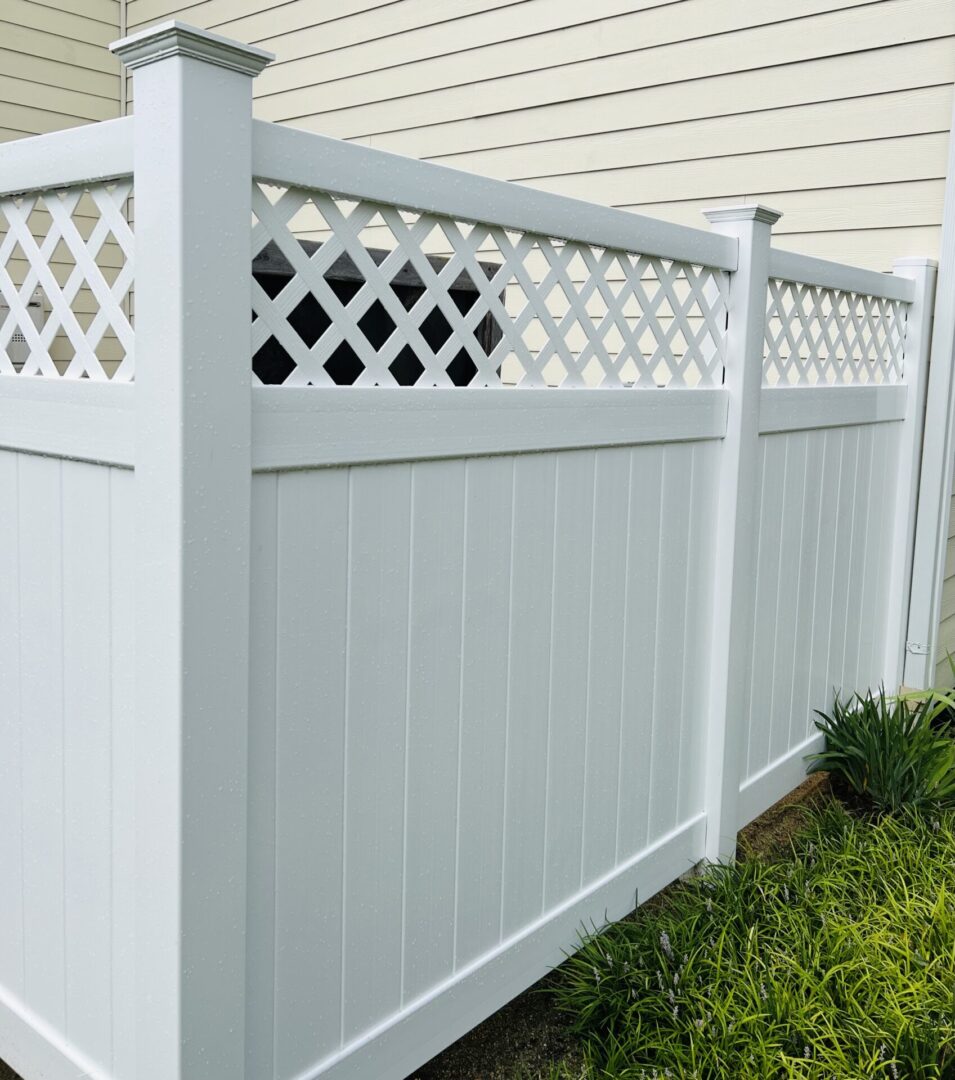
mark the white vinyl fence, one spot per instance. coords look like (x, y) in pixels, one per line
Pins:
(329, 714)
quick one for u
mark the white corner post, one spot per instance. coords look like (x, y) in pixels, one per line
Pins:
(736, 521)
(935, 476)
(918, 336)
(193, 180)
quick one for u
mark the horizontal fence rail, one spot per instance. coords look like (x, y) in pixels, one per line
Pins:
(483, 586)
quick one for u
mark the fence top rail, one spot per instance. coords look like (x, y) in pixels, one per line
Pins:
(807, 270)
(87, 154)
(289, 157)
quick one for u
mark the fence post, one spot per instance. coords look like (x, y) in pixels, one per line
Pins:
(918, 335)
(736, 523)
(193, 140)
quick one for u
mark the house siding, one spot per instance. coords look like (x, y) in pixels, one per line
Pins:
(836, 113)
(55, 71)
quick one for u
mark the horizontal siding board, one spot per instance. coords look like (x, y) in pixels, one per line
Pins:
(946, 643)
(37, 121)
(70, 24)
(104, 11)
(394, 104)
(914, 157)
(864, 206)
(418, 29)
(903, 66)
(51, 45)
(507, 42)
(36, 69)
(875, 249)
(909, 112)
(208, 13)
(54, 99)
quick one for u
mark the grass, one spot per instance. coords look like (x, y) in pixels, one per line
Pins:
(837, 961)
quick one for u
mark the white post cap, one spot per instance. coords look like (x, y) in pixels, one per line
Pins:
(745, 212)
(174, 38)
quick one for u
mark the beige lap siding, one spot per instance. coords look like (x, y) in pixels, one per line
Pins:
(55, 71)
(835, 112)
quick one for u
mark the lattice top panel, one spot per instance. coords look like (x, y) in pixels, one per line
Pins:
(819, 336)
(360, 293)
(66, 270)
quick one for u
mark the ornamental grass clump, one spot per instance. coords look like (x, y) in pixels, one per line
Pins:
(838, 962)
(888, 752)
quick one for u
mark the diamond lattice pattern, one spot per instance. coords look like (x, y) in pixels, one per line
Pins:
(66, 270)
(359, 293)
(817, 336)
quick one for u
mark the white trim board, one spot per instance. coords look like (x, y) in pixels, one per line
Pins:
(68, 418)
(825, 274)
(81, 155)
(777, 780)
(310, 427)
(807, 408)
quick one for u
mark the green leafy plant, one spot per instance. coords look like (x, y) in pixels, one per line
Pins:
(888, 752)
(834, 963)
(939, 701)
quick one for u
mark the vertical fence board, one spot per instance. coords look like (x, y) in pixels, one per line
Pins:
(858, 558)
(309, 705)
(872, 605)
(805, 617)
(568, 639)
(845, 538)
(611, 570)
(792, 528)
(87, 752)
(122, 781)
(826, 568)
(11, 732)
(668, 654)
(378, 574)
(484, 677)
(434, 690)
(260, 1019)
(532, 558)
(700, 573)
(886, 495)
(768, 571)
(636, 678)
(41, 644)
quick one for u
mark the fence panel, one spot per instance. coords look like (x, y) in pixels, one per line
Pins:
(485, 705)
(68, 847)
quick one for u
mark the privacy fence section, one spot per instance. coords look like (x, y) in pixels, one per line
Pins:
(357, 661)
